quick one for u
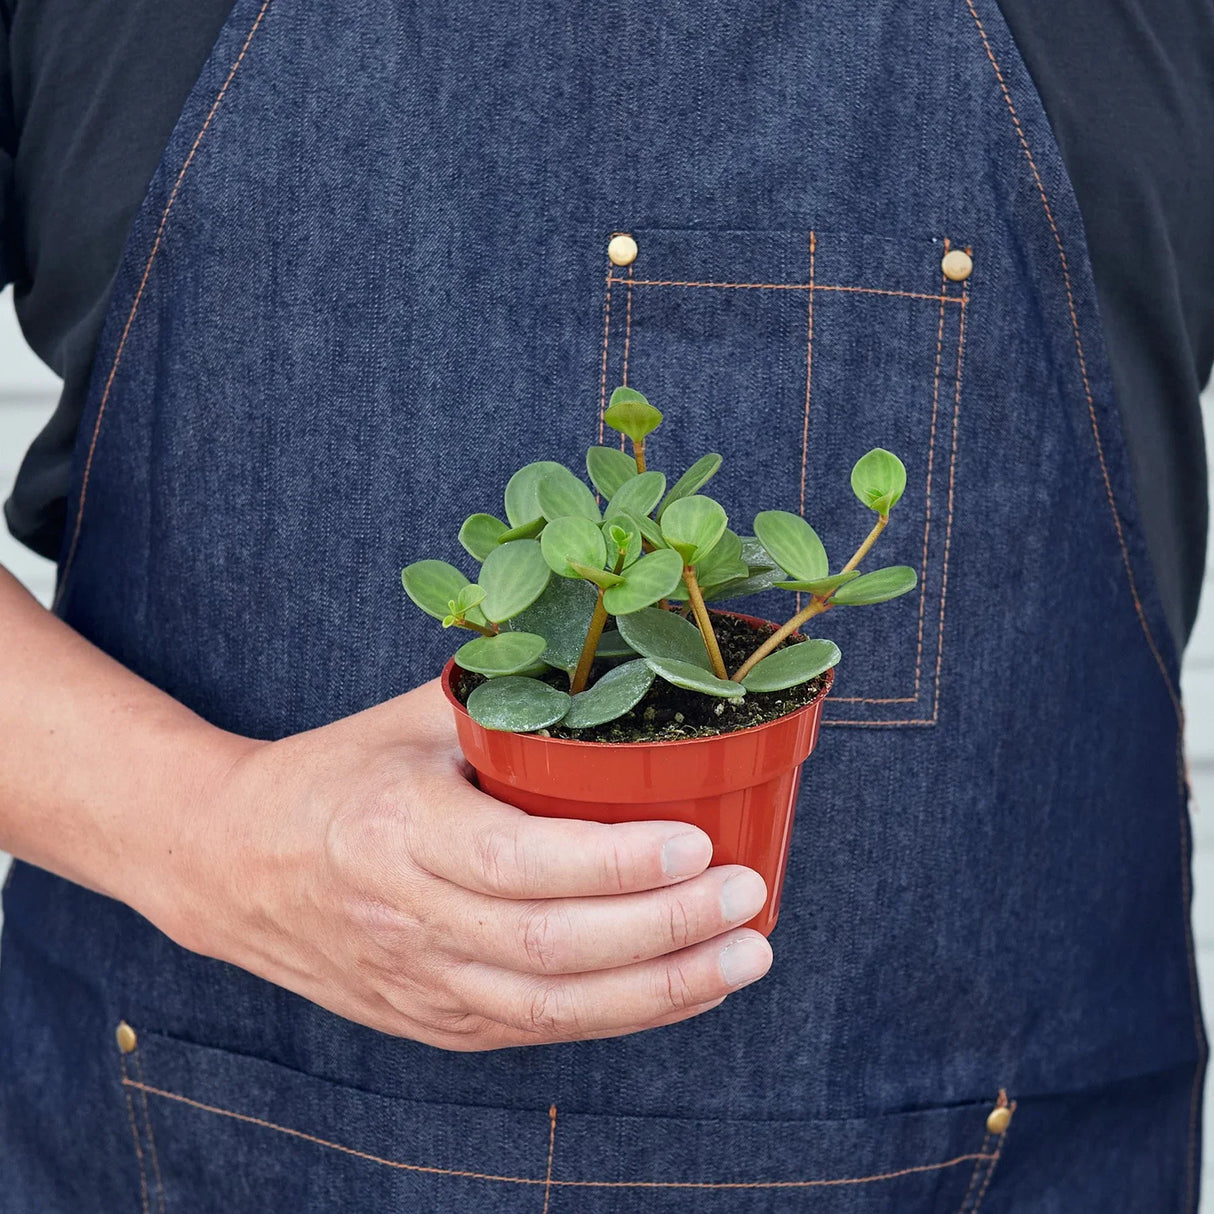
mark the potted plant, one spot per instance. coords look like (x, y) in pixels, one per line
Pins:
(601, 686)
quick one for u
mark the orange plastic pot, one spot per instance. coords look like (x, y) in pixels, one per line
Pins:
(740, 788)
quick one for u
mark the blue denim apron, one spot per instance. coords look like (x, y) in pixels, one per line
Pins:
(369, 279)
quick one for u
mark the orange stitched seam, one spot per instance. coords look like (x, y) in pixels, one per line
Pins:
(147, 269)
(130, 1112)
(147, 1121)
(548, 1181)
(990, 1171)
(931, 454)
(606, 339)
(627, 327)
(986, 1142)
(873, 724)
(874, 699)
(809, 375)
(1083, 369)
(785, 286)
(551, 1145)
(948, 526)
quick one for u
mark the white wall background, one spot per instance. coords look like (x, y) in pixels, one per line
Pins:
(27, 394)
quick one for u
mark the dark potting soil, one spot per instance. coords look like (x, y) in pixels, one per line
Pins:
(669, 713)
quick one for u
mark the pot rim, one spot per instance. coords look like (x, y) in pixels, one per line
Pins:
(445, 679)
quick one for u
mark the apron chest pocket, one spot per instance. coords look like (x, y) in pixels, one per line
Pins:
(794, 353)
(215, 1132)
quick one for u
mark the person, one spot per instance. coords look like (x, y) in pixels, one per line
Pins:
(316, 280)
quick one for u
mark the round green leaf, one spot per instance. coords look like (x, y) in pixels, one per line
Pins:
(617, 692)
(432, 585)
(695, 678)
(693, 480)
(573, 541)
(612, 645)
(655, 633)
(876, 587)
(609, 468)
(792, 665)
(563, 494)
(653, 577)
(480, 533)
(516, 704)
(514, 576)
(723, 564)
(692, 526)
(506, 653)
(561, 615)
(878, 480)
(638, 496)
(793, 544)
(631, 414)
(623, 538)
(522, 501)
(643, 523)
(823, 586)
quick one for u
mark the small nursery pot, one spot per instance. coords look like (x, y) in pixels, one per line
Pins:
(740, 788)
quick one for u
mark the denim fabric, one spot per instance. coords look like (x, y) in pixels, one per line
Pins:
(369, 280)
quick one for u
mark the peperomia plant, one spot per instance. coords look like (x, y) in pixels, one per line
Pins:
(568, 561)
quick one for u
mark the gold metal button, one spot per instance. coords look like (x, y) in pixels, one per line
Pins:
(125, 1036)
(957, 265)
(622, 250)
(999, 1120)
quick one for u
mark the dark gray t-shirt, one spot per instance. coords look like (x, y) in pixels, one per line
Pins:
(89, 93)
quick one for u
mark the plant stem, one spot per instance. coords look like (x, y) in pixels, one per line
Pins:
(638, 451)
(869, 541)
(485, 632)
(816, 606)
(701, 613)
(586, 660)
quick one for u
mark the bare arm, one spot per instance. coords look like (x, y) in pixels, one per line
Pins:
(355, 864)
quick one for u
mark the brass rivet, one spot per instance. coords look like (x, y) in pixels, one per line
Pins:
(957, 265)
(999, 1120)
(622, 250)
(125, 1036)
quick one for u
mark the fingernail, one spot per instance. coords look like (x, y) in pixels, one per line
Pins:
(686, 854)
(745, 960)
(742, 896)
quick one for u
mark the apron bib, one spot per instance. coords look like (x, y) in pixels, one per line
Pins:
(370, 279)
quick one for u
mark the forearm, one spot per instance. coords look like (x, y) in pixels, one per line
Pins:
(101, 774)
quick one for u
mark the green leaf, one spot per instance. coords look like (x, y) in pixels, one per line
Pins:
(638, 496)
(480, 533)
(573, 541)
(693, 480)
(522, 501)
(643, 523)
(823, 586)
(623, 538)
(609, 468)
(561, 615)
(653, 577)
(617, 692)
(514, 576)
(524, 531)
(694, 678)
(506, 653)
(793, 543)
(792, 665)
(432, 585)
(879, 480)
(516, 704)
(562, 495)
(692, 526)
(612, 645)
(876, 587)
(724, 563)
(600, 577)
(655, 633)
(755, 555)
(631, 414)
